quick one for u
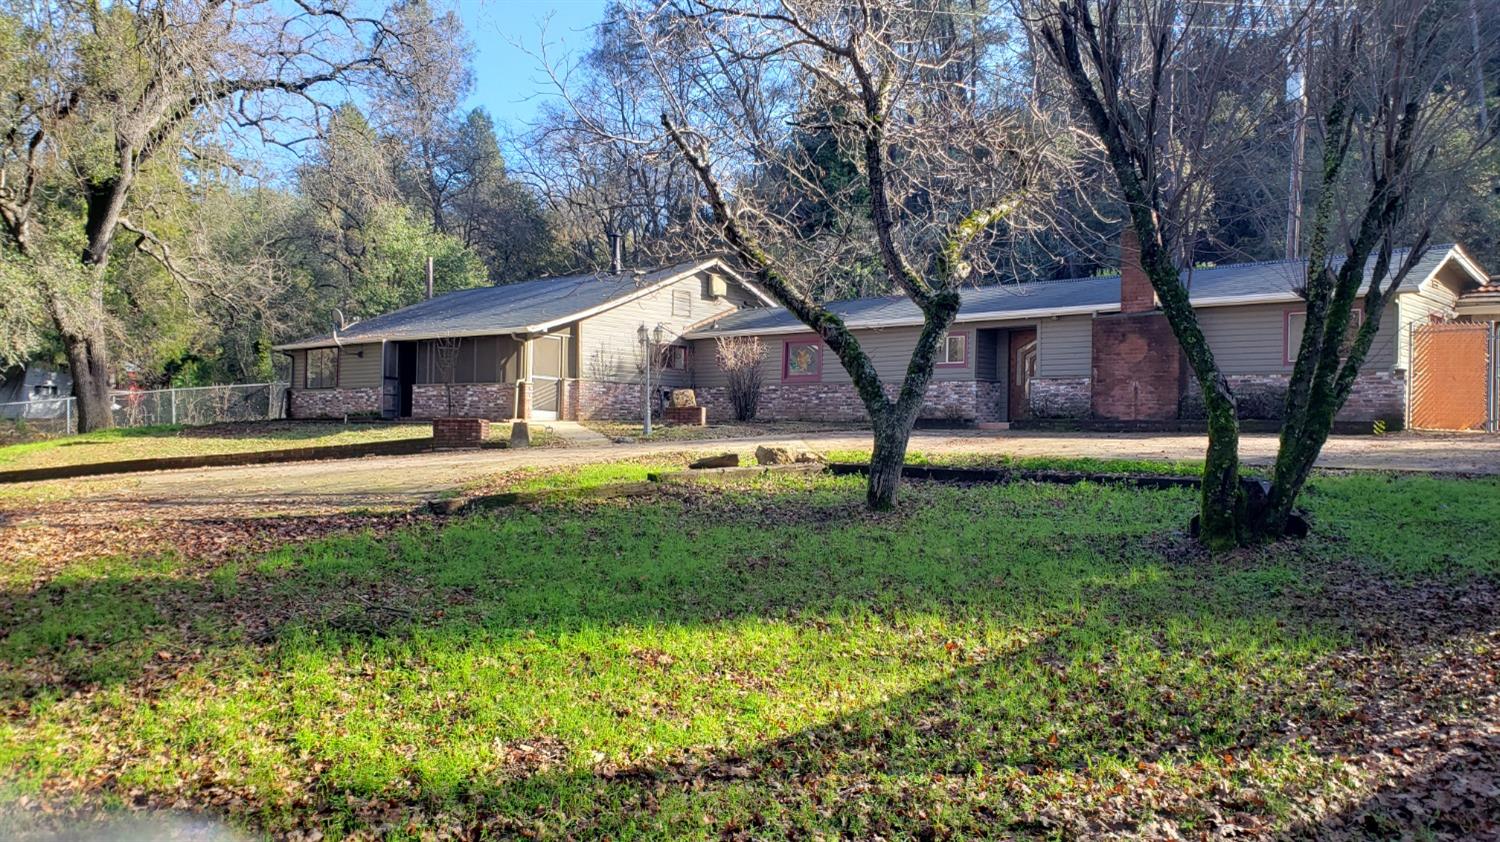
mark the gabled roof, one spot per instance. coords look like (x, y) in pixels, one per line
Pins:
(526, 307)
(1239, 283)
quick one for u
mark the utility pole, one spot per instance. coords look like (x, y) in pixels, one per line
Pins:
(1480, 94)
(1296, 91)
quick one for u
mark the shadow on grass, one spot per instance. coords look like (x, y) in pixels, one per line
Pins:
(1457, 798)
(805, 667)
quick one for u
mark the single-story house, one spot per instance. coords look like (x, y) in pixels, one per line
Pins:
(546, 349)
(1095, 347)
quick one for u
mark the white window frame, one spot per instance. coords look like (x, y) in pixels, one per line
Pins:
(945, 351)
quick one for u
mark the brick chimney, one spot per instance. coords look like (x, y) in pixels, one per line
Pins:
(1137, 366)
(1136, 294)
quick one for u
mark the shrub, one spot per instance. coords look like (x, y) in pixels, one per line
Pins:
(741, 358)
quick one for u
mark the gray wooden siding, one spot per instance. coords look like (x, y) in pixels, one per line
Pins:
(1420, 307)
(1065, 347)
(889, 349)
(299, 368)
(1384, 348)
(986, 355)
(1252, 338)
(609, 346)
(359, 372)
(1005, 369)
(1249, 339)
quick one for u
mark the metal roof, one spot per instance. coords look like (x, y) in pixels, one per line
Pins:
(511, 308)
(1238, 283)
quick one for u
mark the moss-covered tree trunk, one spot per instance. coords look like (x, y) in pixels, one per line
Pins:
(1221, 502)
(886, 461)
(892, 420)
(1324, 373)
(1135, 157)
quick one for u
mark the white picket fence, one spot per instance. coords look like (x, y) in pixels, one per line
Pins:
(194, 406)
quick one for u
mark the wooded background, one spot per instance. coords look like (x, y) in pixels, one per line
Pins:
(185, 183)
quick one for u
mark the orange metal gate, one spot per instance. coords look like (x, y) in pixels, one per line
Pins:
(1452, 385)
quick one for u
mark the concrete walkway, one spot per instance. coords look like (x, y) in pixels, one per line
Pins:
(574, 433)
(386, 482)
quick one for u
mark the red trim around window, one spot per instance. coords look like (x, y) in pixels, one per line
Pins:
(786, 358)
(968, 339)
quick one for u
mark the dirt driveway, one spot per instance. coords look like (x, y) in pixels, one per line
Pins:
(395, 482)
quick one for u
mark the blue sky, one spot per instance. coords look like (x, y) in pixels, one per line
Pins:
(507, 81)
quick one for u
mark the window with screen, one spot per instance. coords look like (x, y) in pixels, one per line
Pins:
(322, 368)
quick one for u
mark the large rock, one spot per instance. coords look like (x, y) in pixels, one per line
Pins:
(767, 455)
(723, 460)
(683, 398)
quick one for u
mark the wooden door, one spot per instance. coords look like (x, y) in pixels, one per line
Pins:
(1022, 361)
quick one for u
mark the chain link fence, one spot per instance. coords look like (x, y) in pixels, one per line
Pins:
(1453, 376)
(194, 406)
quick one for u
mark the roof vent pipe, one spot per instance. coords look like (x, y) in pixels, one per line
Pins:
(616, 262)
(429, 277)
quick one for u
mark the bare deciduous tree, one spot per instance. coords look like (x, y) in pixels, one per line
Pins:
(1390, 104)
(1149, 79)
(112, 92)
(949, 173)
(1156, 82)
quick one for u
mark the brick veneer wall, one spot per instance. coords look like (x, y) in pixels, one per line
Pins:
(334, 403)
(988, 399)
(460, 433)
(1137, 367)
(1376, 395)
(1060, 397)
(606, 400)
(949, 400)
(470, 400)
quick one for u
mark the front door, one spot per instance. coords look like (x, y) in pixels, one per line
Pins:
(1022, 369)
(406, 372)
(548, 362)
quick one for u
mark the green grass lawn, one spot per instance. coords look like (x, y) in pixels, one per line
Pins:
(1081, 464)
(763, 660)
(175, 440)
